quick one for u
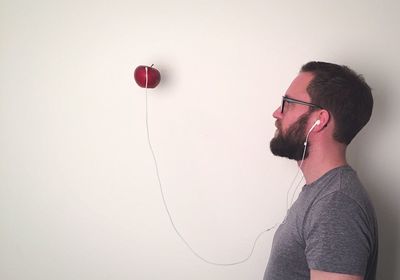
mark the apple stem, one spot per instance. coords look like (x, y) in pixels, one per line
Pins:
(152, 65)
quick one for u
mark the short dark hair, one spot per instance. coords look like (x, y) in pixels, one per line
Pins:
(343, 93)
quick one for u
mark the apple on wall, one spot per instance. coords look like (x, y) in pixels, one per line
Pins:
(152, 74)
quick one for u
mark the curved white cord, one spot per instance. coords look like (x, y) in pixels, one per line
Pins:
(169, 213)
(301, 164)
(288, 205)
(291, 186)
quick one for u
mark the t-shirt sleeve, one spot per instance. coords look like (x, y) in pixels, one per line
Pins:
(336, 236)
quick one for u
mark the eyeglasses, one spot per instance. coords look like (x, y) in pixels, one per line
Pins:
(292, 100)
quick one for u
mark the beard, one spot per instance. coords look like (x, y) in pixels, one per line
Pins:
(291, 144)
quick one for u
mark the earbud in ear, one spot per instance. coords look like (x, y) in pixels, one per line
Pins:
(317, 122)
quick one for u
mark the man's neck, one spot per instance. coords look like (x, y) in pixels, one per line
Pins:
(320, 161)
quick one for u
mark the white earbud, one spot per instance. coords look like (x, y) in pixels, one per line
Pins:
(317, 122)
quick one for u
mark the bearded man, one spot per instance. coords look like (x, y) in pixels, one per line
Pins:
(330, 232)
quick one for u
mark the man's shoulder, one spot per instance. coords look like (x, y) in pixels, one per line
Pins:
(340, 189)
(341, 181)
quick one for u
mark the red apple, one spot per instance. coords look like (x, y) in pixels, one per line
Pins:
(153, 76)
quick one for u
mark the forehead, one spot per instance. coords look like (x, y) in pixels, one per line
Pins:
(298, 87)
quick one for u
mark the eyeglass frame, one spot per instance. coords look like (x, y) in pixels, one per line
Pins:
(296, 101)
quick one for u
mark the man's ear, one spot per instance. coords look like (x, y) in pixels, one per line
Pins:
(324, 118)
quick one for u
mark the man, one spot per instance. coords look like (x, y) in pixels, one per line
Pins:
(330, 232)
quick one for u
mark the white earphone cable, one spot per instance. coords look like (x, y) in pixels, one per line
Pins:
(301, 164)
(169, 213)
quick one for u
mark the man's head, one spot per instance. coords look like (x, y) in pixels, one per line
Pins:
(333, 92)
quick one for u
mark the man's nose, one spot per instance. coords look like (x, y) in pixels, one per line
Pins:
(277, 114)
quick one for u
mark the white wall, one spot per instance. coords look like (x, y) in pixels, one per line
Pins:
(79, 198)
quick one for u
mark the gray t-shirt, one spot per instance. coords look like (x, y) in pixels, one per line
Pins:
(331, 227)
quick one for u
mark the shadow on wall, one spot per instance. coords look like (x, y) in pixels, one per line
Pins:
(368, 157)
